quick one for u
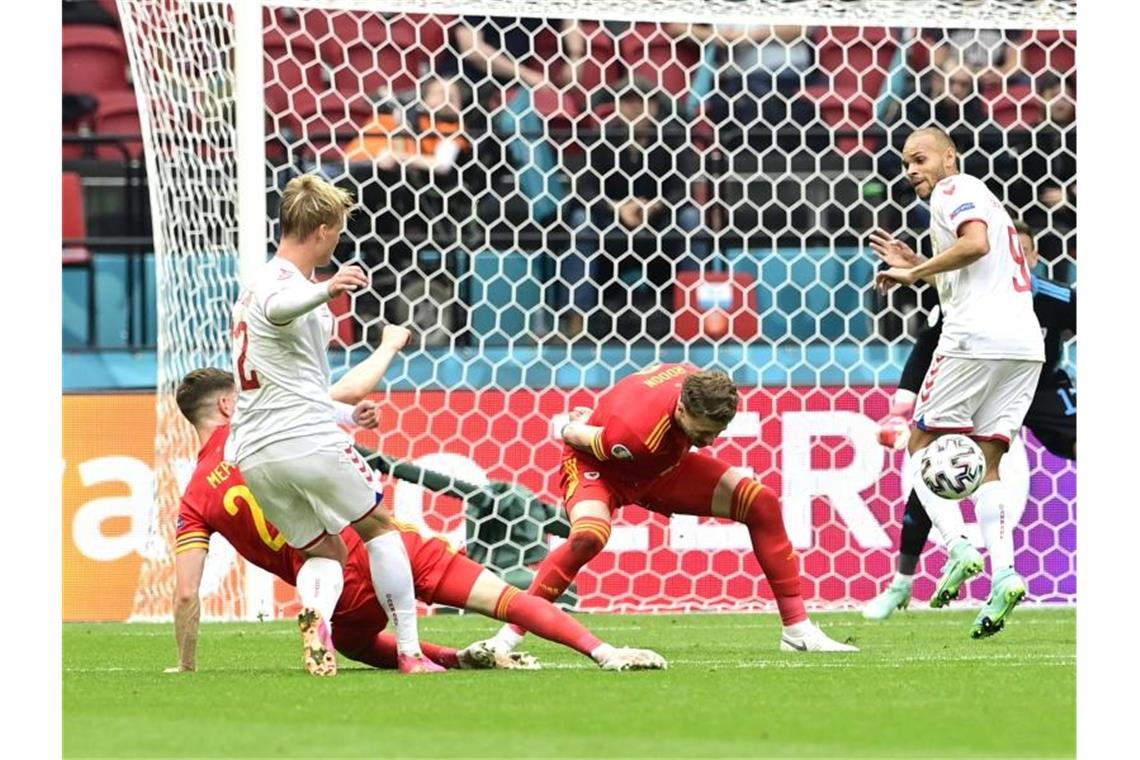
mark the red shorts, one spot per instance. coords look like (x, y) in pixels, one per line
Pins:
(439, 572)
(686, 488)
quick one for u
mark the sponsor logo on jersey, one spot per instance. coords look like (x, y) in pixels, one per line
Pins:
(591, 475)
(964, 207)
(621, 452)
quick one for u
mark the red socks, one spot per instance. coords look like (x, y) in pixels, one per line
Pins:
(532, 613)
(759, 509)
(380, 652)
(588, 536)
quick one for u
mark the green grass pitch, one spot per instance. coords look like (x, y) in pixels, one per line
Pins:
(920, 688)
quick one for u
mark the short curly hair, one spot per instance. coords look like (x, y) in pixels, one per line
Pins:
(712, 395)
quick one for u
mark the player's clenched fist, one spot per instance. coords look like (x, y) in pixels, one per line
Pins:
(366, 414)
(347, 278)
(395, 337)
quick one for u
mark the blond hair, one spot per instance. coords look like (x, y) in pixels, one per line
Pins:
(711, 395)
(310, 201)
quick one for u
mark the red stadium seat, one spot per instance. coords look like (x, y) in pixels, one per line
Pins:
(110, 6)
(1019, 106)
(600, 64)
(1049, 50)
(94, 59)
(292, 66)
(369, 52)
(118, 114)
(74, 220)
(849, 111)
(854, 59)
(651, 53)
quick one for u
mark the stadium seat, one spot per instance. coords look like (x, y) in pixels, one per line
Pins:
(94, 59)
(1018, 106)
(292, 67)
(855, 60)
(855, 64)
(74, 220)
(1050, 50)
(368, 52)
(118, 114)
(846, 110)
(111, 6)
(599, 63)
(648, 51)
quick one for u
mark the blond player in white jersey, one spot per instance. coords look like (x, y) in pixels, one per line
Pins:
(285, 435)
(985, 368)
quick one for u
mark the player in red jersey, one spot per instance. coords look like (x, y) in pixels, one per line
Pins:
(218, 500)
(634, 449)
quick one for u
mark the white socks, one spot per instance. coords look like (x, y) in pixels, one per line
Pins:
(801, 628)
(392, 579)
(319, 583)
(602, 652)
(992, 506)
(508, 638)
(945, 514)
(901, 577)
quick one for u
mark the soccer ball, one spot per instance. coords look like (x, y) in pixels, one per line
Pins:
(953, 467)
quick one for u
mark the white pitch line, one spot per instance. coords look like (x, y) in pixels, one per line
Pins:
(848, 660)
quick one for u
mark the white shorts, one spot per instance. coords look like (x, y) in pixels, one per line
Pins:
(984, 398)
(309, 490)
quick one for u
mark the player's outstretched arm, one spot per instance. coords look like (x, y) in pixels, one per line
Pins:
(188, 567)
(973, 243)
(355, 385)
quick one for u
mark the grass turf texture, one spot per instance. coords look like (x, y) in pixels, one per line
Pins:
(920, 688)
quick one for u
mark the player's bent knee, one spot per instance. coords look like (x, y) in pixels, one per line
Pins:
(588, 536)
(753, 503)
(329, 547)
(587, 545)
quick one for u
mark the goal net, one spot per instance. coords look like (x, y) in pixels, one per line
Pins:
(555, 202)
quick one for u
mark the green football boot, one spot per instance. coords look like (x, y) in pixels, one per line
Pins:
(894, 597)
(964, 563)
(1008, 590)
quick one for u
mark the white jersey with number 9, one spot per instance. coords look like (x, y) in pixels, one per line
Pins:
(988, 305)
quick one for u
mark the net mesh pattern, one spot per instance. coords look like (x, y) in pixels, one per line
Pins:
(556, 202)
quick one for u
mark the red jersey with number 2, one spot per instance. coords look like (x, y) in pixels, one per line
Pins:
(639, 441)
(218, 500)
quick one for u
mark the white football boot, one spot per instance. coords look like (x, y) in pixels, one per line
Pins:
(481, 656)
(627, 658)
(807, 637)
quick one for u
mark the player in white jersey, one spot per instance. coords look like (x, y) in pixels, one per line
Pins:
(286, 439)
(984, 372)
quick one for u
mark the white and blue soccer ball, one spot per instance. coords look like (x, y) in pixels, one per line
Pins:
(953, 466)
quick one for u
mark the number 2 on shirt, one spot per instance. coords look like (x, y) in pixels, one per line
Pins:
(1024, 283)
(246, 375)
